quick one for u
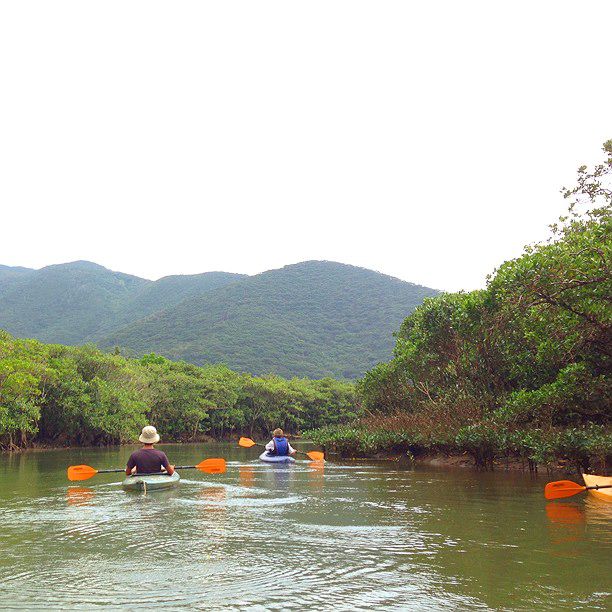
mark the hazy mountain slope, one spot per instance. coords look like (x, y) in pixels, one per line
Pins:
(171, 290)
(63, 303)
(81, 301)
(10, 273)
(313, 319)
(310, 319)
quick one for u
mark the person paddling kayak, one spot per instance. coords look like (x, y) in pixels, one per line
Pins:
(148, 460)
(279, 446)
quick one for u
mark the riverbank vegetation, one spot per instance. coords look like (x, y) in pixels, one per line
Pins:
(58, 395)
(520, 369)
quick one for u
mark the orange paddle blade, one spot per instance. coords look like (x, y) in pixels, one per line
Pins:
(562, 488)
(212, 466)
(81, 472)
(316, 455)
(246, 442)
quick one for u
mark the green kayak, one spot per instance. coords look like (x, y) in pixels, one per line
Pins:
(150, 482)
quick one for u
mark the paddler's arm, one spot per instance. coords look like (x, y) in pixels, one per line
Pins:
(292, 450)
(166, 465)
(130, 467)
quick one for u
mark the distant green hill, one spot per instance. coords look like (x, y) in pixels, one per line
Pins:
(312, 319)
(64, 303)
(169, 291)
(9, 273)
(79, 301)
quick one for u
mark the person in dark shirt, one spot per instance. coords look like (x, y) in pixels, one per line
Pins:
(148, 460)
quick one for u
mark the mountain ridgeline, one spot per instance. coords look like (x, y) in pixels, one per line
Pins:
(81, 301)
(313, 319)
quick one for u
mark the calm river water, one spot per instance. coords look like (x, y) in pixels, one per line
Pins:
(350, 536)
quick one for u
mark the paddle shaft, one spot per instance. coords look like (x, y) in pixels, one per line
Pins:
(596, 487)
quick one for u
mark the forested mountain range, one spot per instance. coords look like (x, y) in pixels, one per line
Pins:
(81, 301)
(315, 319)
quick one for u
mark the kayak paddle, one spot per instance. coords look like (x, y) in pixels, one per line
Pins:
(84, 472)
(313, 455)
(567, 488)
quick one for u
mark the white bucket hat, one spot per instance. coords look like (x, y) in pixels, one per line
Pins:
(149, 435)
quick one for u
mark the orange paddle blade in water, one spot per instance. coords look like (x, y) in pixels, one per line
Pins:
(316, 455)
(212, 466)
(246, 442)
(562, 488)
(81, 472)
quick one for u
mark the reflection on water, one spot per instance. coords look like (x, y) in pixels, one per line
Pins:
(246, 474)
(213, 500)
(352, 536)
(566, 523)
(214, 494)
(79, 496)
(599, 514)
(316, 475)
(565, 514)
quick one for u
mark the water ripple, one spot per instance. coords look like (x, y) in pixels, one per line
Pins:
(347, 537)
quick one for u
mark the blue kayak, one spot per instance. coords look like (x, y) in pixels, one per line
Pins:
(276, 458)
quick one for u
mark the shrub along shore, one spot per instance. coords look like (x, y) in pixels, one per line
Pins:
(521, 369)
(573, 448)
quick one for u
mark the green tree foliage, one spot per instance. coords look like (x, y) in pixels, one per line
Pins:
(81, 396)
(19, 393)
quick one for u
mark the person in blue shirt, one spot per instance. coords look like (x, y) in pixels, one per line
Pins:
(279, 445)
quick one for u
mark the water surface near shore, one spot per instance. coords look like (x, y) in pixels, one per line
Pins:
(347, 536)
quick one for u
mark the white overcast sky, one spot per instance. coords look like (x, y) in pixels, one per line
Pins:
(426, 140)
